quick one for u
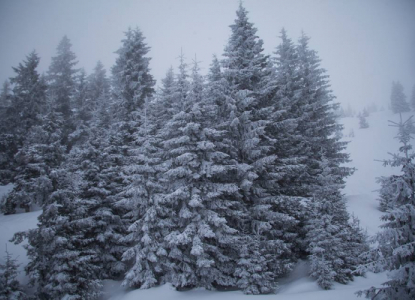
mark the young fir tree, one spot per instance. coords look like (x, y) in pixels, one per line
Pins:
(10, 288)
(398, 99)
(334, 244)
(62, 82)
(395, 251)
(362, 121)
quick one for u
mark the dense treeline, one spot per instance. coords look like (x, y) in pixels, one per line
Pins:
(218, 181)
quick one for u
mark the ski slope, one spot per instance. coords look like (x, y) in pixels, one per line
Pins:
(367, 146)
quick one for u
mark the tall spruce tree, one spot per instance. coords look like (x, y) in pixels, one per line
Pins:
(264, 251)
(395, 250)
(61, 79)
(151, 217)
(23, 109)
(398, 98)
(325, 172)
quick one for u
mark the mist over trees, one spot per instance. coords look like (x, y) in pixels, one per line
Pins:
(222, 181)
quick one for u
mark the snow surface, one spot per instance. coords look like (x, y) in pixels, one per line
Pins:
(367, 146)
(11, 224)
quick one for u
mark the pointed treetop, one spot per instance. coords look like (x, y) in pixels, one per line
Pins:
(215, 73)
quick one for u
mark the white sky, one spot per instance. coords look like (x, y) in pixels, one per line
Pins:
(364, 44)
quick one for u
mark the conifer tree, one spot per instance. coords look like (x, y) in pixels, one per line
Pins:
(40, 155)
(27, 106)
(398, 98)
(395, 251)
(333, 243)
(263, 250)
(151, 218)
(413, 98)
(5, 95)
(61, 79)
(82, 112)
(98, 85)
(9, 285)
(201, 245)
(317, 122)
(132, 81)
(362, 122)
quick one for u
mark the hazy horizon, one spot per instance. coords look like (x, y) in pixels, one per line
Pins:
(364, 45)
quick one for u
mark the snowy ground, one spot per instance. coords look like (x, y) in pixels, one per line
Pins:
(365, 147)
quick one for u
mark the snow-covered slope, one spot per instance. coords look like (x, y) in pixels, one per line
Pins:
(8, 226)
(367, 146)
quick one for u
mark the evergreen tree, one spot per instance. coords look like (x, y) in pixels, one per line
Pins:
(362, 122)
(5, 95)
(395, 251)
(82, 111)
(413, 98)
(40, 155)
(319, 139)
(398, 98)
(29, 93)
(334, 244)
(151, 217)
(61, 263)
(98, 85)
(132, 81)
(317, 124)
(28, 104)
(61, 79)
(9, 285)
(201, 245)
(263, 248)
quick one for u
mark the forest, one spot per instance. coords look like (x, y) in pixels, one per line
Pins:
(222, 181)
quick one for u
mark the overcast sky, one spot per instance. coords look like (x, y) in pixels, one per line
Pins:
(363, 44)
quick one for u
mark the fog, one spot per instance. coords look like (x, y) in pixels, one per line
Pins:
(364, 45)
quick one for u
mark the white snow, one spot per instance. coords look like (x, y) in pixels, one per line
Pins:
(11, 224)
(365, 147)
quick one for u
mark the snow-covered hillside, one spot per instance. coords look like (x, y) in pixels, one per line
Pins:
(365, 147)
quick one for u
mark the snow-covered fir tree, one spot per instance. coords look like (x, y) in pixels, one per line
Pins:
(334, 243)
(39, 156)
(10, 288)
(61, 80)
(263, 250)
(98, 85)
(398, 98)
(151, 218)
(5, 95)
(395, 250)
(26, 108)
(362, 121)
